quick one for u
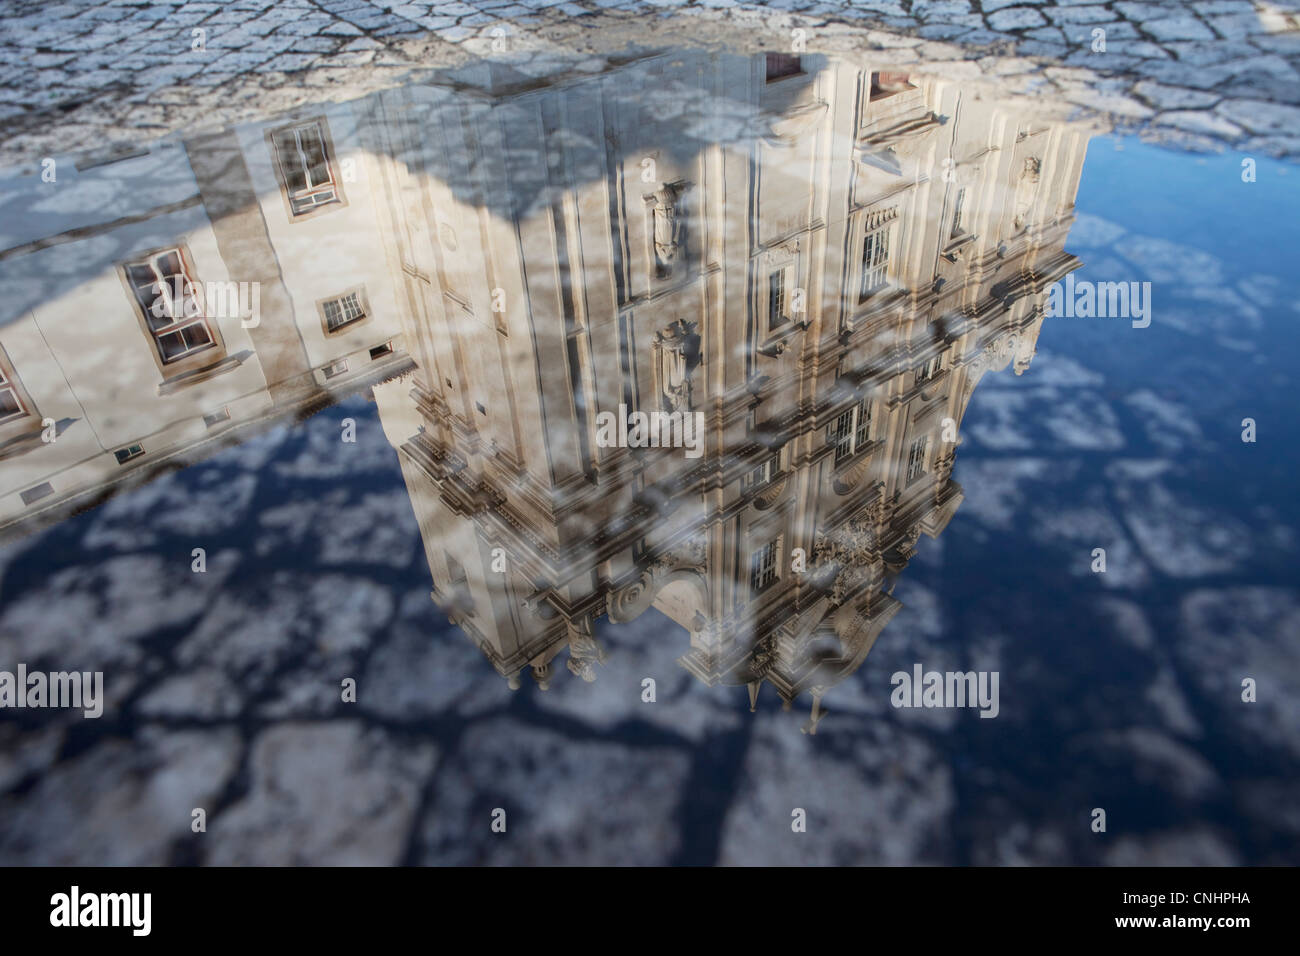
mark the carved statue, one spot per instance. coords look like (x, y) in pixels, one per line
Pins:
(585, 652)
(676, 354)
(668, 229)
(763, 656)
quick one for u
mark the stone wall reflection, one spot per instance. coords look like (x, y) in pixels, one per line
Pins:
(801, 265)
(819, 261)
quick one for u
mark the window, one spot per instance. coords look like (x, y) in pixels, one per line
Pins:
(18, 413)
(216, 418)
(36, 493)
(123, 455)
(379, 351)
(887, 84)
(916, 459)
(338, 368)
(776, 300)
(302, 157)
(762, 567)
(781, 65)
(928, 371)
(342, 311)
(957, 213)
(11, 405)
(851, 431)
(164, 289)
(764, 473)
(863, 425)
(875, 260)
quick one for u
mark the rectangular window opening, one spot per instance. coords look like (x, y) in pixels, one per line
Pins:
(169, 299)
(216, 418)
(342, 311)
(851, 431)
(762, 567)
(123, 455)
(766, 472)
(875, 261)
(781, 65)
(11, 406)
(927, 371)
(32, 495)
(885, 84)
(916, 460)
(302, 154)
(776, 300)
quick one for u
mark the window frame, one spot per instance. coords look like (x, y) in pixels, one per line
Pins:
(29, 421)
(336, 368)
(778, 281)
(877, 90)
(928, 371)
(787, 65)
(129, 452)
(874, 262)
(915, 461)
(764, 566)
(11, 387)
(856, 436)
(193, 359)
(363, 303)
(770, 469)
(334, 185)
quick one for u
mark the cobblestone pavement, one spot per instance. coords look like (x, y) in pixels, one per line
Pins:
(83, 72)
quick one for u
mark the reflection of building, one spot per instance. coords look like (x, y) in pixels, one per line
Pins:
(826, 284)
(157, 302)
(819, 261)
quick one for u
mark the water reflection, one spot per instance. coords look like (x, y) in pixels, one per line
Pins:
(800, 267)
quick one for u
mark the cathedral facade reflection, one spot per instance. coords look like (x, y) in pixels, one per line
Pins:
(815, 261)
(825, 284)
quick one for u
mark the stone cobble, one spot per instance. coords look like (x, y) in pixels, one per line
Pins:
(81, 72)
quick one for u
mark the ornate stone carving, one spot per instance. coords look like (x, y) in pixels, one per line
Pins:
(852, 550)
(943, 466)
(763, 657)
(585, 651)
(542, 675)
(677, 353)
(632, 599)
(689, 553)
(669, 230)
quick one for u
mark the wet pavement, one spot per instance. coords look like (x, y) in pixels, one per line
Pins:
(77, 75)
(428, 585)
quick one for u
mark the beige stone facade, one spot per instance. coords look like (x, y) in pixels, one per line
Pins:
(814, 261)
(820, 260)
(98, 391)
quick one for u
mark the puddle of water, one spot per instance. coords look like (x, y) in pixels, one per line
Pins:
(536, 446)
